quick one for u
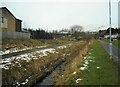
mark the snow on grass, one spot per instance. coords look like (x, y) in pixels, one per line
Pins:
(4, 52)
(26, 81)
(85, 65)
(12, 50)
(74, 73)
(3, 66)
(79, 79)
(27, 57)
(89, 53)
(91, 49)
(45, 52)
(18, 84)
(62, 47)
(98, 67)
(50, 50)
(83, 68)
(87, 60)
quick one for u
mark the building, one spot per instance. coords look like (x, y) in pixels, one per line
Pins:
(10, 26)
(9, 21)
(114, 36)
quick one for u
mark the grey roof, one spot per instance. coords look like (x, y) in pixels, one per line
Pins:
(9, 12)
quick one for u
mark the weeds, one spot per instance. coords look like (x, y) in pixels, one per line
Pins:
(21, 72)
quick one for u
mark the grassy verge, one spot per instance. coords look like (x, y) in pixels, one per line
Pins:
(99, 70)
(103, 71)
(114, 42)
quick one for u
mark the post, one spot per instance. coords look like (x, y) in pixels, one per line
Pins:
(110, 28)
(0, 47)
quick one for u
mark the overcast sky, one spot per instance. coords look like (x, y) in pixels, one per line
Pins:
(58, 14)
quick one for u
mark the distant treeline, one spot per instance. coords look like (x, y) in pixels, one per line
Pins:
(40, 34)
(113, 31)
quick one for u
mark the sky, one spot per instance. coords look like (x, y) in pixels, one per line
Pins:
(58, 14)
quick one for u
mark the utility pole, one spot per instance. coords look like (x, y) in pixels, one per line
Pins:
(110, 29)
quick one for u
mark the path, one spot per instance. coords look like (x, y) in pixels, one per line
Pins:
(115, 51)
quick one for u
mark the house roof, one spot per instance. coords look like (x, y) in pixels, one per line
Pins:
(9, 12)
(19, 20)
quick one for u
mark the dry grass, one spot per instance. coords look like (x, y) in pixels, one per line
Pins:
(71, 70)
(30, 43)
(21, 43)
(35, 68)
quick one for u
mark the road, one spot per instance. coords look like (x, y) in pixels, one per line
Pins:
(115, 51)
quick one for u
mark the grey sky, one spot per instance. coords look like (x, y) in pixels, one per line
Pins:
(62, 14)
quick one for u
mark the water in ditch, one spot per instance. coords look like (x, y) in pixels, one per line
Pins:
(49, 80)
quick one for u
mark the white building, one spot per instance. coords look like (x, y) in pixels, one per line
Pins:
(113, 36)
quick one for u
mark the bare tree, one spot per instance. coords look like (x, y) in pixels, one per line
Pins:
(76, 28)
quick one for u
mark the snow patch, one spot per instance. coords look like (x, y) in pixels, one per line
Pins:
(79, 79)
(3, 66)
(86, 61)
(12, 50)
(85, 65)
(83, 68)
(98, 67)
(62, 47)
(27, 57)
(26, 81)
(85, 57)
(89, 53)
(74, 73)
(18, 84)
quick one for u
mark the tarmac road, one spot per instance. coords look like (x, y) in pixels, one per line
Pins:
(115, 51)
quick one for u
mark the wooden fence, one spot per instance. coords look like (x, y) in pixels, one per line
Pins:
(6, 34)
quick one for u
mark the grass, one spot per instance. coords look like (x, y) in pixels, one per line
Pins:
(33, 69)
(106, 75)
(108, 72)
(114, 42)
(21, 43)
(66, 76)
(32, 43)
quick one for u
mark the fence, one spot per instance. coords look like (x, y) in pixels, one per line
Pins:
(6, 34)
